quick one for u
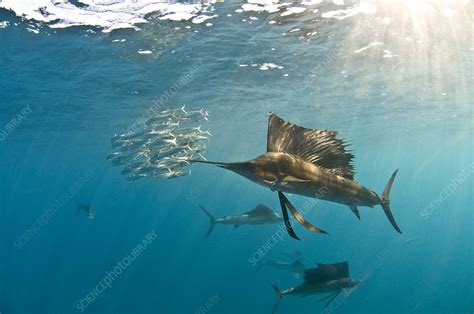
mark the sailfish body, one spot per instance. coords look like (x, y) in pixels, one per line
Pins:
(326, 278)
(259, 215)
(310, 163)
(289, 173)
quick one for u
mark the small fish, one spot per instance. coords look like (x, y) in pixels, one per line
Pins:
(86, 208)
(161, 155)
(158, 124)
(159, 143)
(126, 137)
(113, 155)
(195, 137)
(165, 132)
(171, 174)
(410, 240)
(133, 145)
(135, 176)
(121, 159)
(146, 169)
(132, 168)
(179, 160)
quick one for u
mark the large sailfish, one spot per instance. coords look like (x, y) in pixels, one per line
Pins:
(311, 163)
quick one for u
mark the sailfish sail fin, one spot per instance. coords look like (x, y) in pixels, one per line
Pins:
(326, 272)
(319, 147)
(260, 210)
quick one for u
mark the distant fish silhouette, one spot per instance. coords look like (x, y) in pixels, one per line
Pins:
(326, 278)
(86, 208)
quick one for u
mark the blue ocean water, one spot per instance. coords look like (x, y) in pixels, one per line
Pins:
(396, 83)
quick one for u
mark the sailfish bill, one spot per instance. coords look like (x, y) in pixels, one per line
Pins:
(311, 163)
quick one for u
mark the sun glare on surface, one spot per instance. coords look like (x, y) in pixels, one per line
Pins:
(422, 41)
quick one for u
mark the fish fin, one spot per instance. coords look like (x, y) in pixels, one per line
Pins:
(328, 296)
(386, 202)
(341, 269)
(319, 147)
(286, 219)
(326, 272)
(278, 297)
(355, 211)
(212, 221)
(301, 219)
(298, 263)
(331, 298)
(260, 210)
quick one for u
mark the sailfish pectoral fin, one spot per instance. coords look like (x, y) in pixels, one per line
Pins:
(300, 218)
(355, 211)
(331, 298)
(286, 219)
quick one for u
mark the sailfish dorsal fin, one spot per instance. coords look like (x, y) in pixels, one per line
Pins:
(260, 210)
(326, 272)
(319, 147)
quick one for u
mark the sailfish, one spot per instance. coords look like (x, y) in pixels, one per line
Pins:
(311, 163)
(326, 278)
(258, 216)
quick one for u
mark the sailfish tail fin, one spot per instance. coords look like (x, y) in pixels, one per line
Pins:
(212, 221)
(386, 201)
(278, 297)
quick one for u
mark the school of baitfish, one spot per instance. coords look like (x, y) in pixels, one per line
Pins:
(163, 146)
